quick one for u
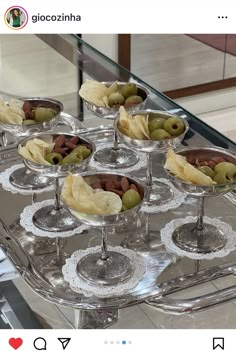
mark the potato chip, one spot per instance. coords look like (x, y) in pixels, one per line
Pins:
(12, 113)
(46, 147)
(105, 101)
(124, 130)
(124, 116)
(2, 103)
(196, 176)
(24, 152)
(141, 122)
(17, 108)
(66, 193)
(4, 117)
(174, 168)
(79, 196)
(183, 170)
(107, 202)
(17, 111)
(80, 188)
(16, 103)
(135, 129)
(124, 123)
(145, 124)
(112, 89)
(36, 152)
(13, 117)
(93, 92)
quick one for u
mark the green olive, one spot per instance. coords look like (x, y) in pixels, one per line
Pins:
(223, 178)
(72, 158)
(225, 167)
(44, 114)
(159, 134)
(130, 199)
(54, 158)
(116, 99)
(207, 171)
(155, 124)
(134, 100)
(129, 89)
(29, 122)
(84, 150)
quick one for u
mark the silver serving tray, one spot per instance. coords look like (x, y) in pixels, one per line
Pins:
(34, 257)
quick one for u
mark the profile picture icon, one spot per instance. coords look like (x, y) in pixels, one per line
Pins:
(16, 17)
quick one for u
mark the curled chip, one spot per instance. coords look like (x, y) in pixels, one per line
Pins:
(93, 92)
(81, 197)
(135, 127)
(11, 113)
(35, 150)
(179, 166)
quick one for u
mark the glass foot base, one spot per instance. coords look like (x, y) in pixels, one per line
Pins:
(188, 238)
(24, 179)
(51, 270)
(49, 219)
(144, 242)
(159, 194)
(116, 269)
(95, 319)
(121, 158)
(34, 245)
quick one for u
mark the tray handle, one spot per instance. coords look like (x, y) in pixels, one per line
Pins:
(69, 120)
(181, 306)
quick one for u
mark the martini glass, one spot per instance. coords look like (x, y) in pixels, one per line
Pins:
(23, 178)
(116, 157)
(201, 237)
(158, 193)
(106, 267)
(56, 218)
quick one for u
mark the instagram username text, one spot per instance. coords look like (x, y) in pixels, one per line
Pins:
(57, 18)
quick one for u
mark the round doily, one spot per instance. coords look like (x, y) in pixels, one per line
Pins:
(4, 180)
(177, 200)
(27, 223)
(141, 163)
(230, 235)
(79, 285)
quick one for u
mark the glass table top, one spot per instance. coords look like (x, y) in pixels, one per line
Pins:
(79, 62)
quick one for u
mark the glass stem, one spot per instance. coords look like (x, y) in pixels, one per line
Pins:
(197, 265)
(147, 226)
(58, 250)
(34, 198)
(57, 204)
(199, 224)
(115, 139)
(4, 138)
(149, 175)
(104, 254)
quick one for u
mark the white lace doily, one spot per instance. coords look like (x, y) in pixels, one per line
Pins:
(4, 180)
(141, 163)
(230, 236)
(79, 285)
(27, 222)
(177, 200)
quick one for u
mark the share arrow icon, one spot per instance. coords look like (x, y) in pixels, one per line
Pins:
(64, 342)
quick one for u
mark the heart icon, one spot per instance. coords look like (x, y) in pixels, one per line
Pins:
(15, 342)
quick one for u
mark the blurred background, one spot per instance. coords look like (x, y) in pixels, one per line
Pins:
(198, 71)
